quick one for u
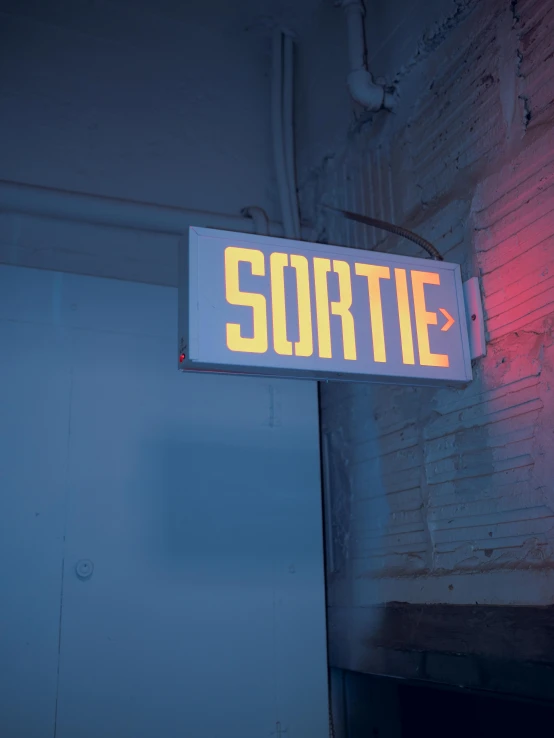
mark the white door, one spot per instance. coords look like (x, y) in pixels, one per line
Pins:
(35, 381)
(192, 601)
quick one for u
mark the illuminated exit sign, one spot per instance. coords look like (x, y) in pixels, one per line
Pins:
(258, 305)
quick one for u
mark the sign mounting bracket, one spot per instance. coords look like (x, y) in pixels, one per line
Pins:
(475, 318)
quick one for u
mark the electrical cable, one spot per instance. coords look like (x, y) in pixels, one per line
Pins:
(397, 230)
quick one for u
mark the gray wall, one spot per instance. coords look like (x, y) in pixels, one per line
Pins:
(120, 99)
(159, 103)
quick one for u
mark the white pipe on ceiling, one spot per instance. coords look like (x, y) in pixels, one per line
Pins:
(79, 206)
(288, 127)
(282, 96)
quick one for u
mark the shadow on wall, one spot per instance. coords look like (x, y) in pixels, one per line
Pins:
(203, 509)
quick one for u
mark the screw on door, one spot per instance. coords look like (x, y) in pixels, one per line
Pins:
(84, 569)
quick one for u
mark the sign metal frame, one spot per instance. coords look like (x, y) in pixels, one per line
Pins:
(193, 299)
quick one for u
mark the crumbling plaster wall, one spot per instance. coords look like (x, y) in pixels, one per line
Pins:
(448, 495)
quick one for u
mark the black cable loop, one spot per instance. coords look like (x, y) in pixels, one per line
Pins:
(397, 230)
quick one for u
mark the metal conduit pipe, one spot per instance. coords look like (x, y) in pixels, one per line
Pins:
(288, 129)
(259, 219)
(78, 206)
(278, 133)
(362, 88)
(282, 107)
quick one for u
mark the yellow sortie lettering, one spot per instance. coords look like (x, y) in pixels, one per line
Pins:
(424, 319)
(341, 308)
(405, 321)
(278, 262)
(304, 346)
(374, 274)
(235, 341)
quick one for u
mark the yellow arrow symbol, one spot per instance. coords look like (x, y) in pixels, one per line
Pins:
(449, 320)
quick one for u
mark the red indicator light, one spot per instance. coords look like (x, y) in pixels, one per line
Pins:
(181, 358)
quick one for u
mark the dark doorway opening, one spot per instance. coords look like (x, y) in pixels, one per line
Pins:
(367, 706)
(447, 713)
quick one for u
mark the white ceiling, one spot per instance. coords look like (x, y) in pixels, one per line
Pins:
(101, 17)
(254, 15)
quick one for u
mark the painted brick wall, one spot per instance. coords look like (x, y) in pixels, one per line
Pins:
(447, 495)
